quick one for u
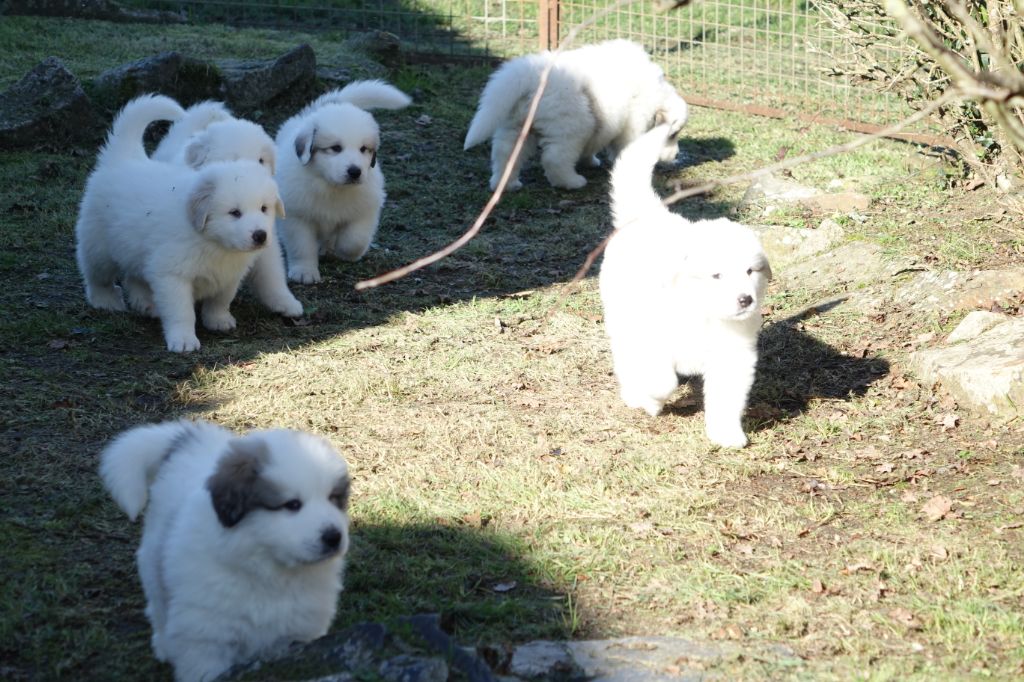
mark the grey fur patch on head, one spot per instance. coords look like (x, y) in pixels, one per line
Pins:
(237, 487)
(304, 144)
(200, 203)
(340, 492)
(197, 151)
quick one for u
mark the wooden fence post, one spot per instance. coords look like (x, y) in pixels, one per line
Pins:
(549, 15)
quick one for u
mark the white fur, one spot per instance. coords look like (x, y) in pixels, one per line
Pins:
(170, 235)
(598, 98)
(330, 176)
(230, 573)
(680, 298)
(209, 133)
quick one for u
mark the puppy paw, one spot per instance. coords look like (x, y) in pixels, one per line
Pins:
(512, 185)
(289, 307)
(219, 321)
(141, 304)
(726, 437)
(182, 342)
(643, 402)
(106, 299)
(570, 182)
(304, 275)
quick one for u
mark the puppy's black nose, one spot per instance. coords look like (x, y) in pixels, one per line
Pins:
(354, 172)
(331, 538)
(745, 300)
(259, 236)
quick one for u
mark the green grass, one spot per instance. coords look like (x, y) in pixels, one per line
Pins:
(475, 404)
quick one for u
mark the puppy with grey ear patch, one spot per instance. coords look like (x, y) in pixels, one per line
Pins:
(243, 543)
(680, 298)
(168, 235)
(330, 176)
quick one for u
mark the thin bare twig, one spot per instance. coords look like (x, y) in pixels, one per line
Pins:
(468, 236)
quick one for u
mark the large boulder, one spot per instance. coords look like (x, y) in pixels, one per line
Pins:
(168, 73)
(47, 108)
(249, 85)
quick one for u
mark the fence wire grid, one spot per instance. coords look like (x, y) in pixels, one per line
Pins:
(769, 57)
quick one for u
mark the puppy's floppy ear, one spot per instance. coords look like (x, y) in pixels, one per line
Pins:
(340, 493)
(271, 159)
(767, 270)
(197, 151)
(304, 143)
(660, 118)
(236, 487)
(279, 207)
(373, 158)
(200, 203)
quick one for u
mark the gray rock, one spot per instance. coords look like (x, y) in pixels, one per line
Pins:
(169, 73)
(787, 245)
(543, 660)
(851, 265)
(644, 659)
(90, 9)
(947, 291)
(252, 84)
(773, 191)
(985, 374)
(382, 46)
(976, 323)
(406, 668)
(47, 108)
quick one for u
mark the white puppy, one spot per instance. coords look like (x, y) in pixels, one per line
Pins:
(598, 97)
(330, 176)
(680, 298)
(169, 234)
(244, 538)
(208, 133)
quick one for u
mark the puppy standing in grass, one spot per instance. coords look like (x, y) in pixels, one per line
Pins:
(208, 133)
(244, 539)
(680, 298)
(598, 98)
(169, 234)
(330, 176)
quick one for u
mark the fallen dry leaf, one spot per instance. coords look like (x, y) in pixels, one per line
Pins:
(856, 568)
(939, 552)
(936, 508)
(817, 587)
(905, 617)
(948, 421)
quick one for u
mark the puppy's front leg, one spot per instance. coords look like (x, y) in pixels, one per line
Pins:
(270, 283)
(216, 314)
(302, 249)
(176, 308)
(726, 388)
(353, 241)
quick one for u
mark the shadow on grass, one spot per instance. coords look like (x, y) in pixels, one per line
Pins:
(795, 368)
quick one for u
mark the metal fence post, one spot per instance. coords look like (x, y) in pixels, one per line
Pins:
(549, 12)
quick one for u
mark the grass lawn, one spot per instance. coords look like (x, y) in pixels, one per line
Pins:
(488, 444)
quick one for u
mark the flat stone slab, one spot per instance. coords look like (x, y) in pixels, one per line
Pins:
(975, 324)
(787, 245)
(854, 264)
(947, 291)
(985, 374)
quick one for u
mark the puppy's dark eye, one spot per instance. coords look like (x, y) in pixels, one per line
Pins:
(750, 271)
(717, 275)
(336, 148)
(261, 161)
(292, 505)
(364, 149)
(235, 213)
(263, 209)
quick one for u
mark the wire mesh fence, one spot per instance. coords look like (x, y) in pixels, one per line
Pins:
(769, 57)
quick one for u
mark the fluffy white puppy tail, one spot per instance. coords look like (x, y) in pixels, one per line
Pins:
(196, 118)
(372, 94)
(513, 81)
(130, 462)
(632, 196)
(125, 139)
